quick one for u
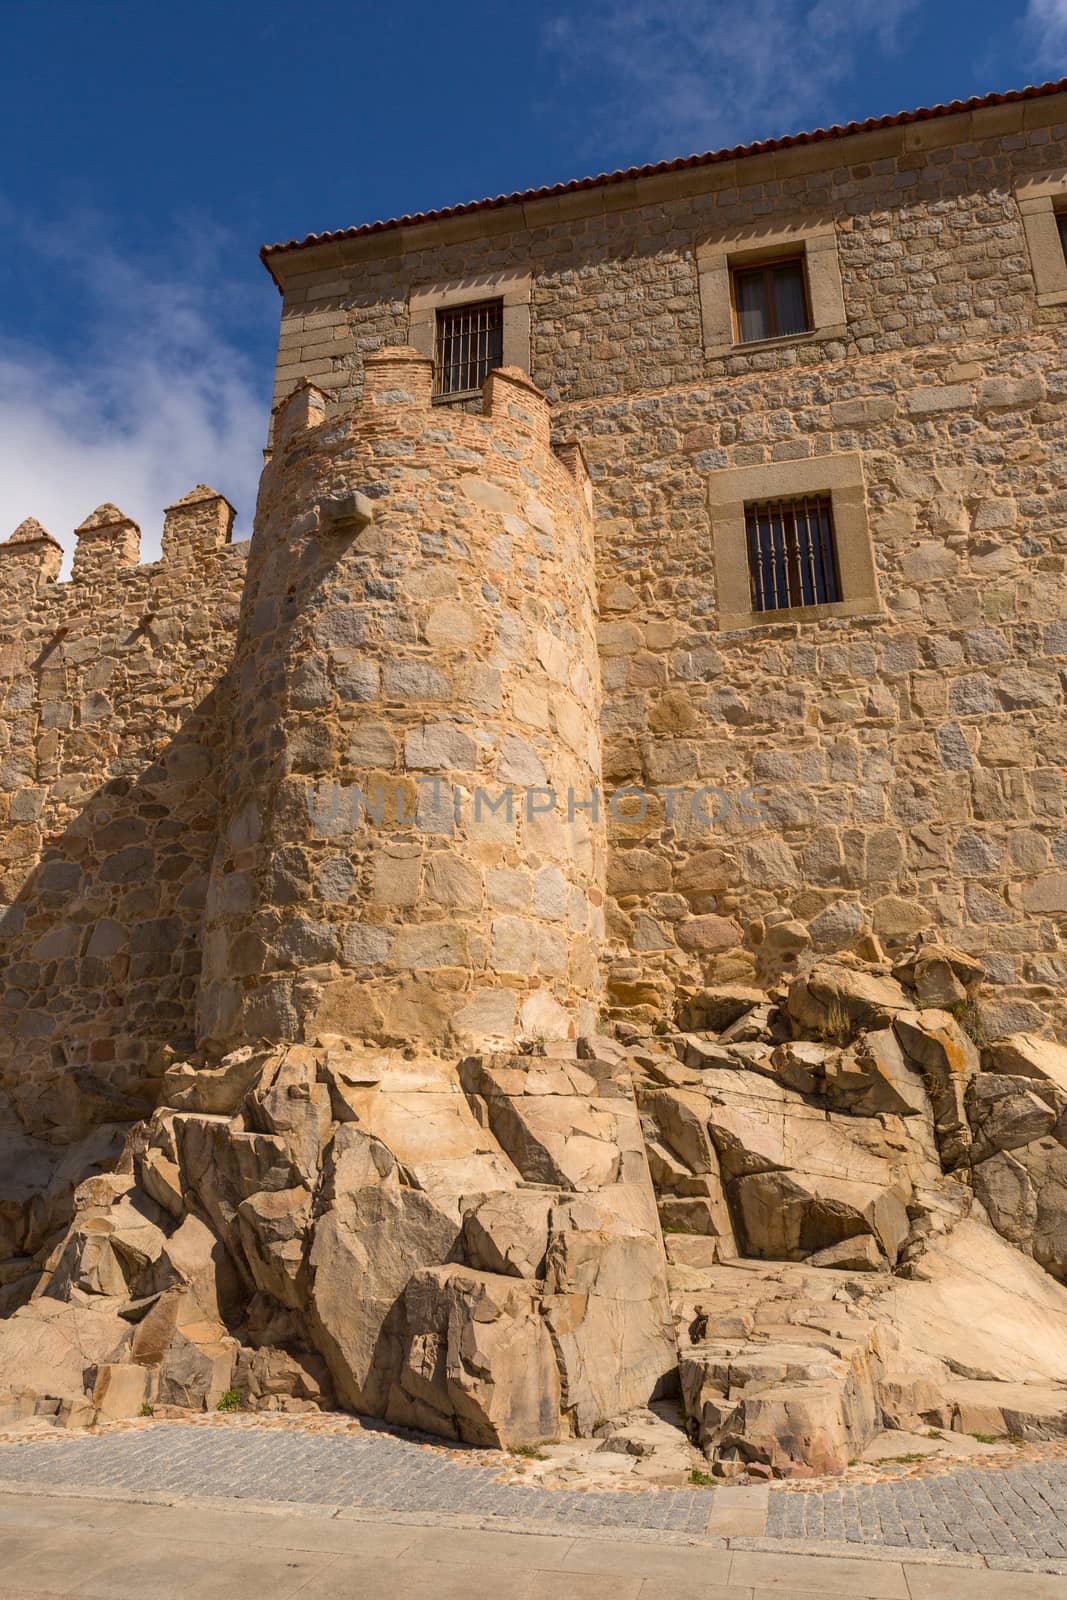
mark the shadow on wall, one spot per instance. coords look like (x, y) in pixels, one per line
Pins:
(100, 950)
(99, 965)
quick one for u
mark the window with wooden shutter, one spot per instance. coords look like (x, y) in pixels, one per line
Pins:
(771, 300)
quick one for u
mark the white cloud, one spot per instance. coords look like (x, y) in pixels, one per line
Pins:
(690, 75)
(1046, 22)
(150, 396)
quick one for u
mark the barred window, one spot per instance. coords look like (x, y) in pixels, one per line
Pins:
(470, 343)
(771, 300)
(792, 554)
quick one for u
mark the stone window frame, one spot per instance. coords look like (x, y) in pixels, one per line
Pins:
(840, 477)
(513, 289)
(1040, 202)
(815, 243)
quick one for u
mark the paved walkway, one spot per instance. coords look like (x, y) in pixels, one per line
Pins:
(168, 1510)
(373, 1471)
(1009, 1512)
(114, 1550)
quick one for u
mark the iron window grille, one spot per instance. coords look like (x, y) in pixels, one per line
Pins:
(470, 343)
(792, 553)
(771, 300)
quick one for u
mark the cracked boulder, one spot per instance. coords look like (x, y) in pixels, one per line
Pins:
(216, 1090)
(786, 1216)
(508, 1232)
(272, 1378)
(197, 1367)
(438, 1135)
(979, 1307)
(37, 1185)
(559, 1123)
(948, 1060)
(941, 976)
(372, 1235)
(113, 1241)
(684, 1166)
(47, 1346)
(1005, 1113)
(802, 1397)
(605, 1303)
(289, 1101)
(221, 1164)
(873, 1077)
(834, 1000)
(1028, 1055)
(1024, 1192)
(799, 1179)
(273, 1227)
(713, 1009)
(477, 1361)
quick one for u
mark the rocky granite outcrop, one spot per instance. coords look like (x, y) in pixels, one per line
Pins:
(848, 1122)
(863, 1206)
(469, 1249)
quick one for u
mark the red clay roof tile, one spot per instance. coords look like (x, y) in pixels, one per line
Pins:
(709, 158)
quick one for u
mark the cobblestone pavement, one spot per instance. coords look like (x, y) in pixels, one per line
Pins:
(374, 1471)
(1016, 1511)
(1010, 1518)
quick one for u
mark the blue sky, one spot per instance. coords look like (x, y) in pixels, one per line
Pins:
(151, 149)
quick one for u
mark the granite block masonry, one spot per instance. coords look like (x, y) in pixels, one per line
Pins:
(301, 985)
(911, 737)
(433, 636)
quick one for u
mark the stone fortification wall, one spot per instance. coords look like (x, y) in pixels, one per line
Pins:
(416, 669)
(911, 749)
(908, 750)
(911, 760)
(109, 762)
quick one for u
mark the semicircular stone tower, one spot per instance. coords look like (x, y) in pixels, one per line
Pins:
(411, 849)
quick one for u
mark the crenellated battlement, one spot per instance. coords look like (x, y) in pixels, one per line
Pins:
(108, 542)
(398, 395)
(108, 547)
(30, 558)
(113, 740)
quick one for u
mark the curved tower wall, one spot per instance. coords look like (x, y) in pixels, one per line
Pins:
(416, 667)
